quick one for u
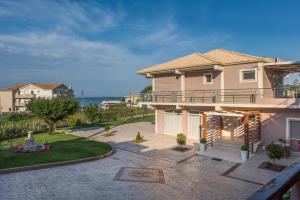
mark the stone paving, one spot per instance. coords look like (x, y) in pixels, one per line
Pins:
(132, 174)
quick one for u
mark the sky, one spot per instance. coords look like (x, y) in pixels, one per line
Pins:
(97, 46)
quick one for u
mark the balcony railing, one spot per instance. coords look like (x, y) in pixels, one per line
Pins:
(24, 96)
(230, 96)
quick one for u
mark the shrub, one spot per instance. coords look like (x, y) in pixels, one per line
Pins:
(73, 122)
(91, 112)
(107, 127)
(274, 151)
(203, 141)
(139, 138)
(244, 148)
(181, 139)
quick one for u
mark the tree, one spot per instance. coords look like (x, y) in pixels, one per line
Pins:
(147, 89)
(52, 110)
(275, 151)
(91, 112)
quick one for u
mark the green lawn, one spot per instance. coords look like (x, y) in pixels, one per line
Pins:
(63, 147)
(147, 118)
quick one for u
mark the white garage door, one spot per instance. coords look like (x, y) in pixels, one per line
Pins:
(173, 122)
(194, 123)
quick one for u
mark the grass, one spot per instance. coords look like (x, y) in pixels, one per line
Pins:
(148, 118)
(63, 148)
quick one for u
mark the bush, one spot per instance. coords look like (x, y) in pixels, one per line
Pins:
(181, 139)
(73, 122)
(91, 112)
(203, 141)
(14, 116)
(107, 127)
(244, 148)
(275, 151)
(138, 138)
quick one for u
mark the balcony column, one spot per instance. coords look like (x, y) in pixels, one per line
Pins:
(204, 125)
(182, 86)
(260, 79)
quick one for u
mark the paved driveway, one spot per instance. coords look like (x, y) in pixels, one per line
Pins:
(132, 173)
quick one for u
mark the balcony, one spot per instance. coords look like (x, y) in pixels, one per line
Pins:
(24, 96)
(280, 96)
(20, 104)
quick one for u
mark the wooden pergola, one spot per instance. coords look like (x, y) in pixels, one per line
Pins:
(251, 122)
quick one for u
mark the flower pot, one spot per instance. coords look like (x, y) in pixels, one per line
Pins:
(202, 147)
(244, 155)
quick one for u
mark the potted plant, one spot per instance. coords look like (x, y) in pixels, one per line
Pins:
(244, 152)
(202, 144)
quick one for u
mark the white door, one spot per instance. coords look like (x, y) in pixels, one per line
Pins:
(194, 125)
(173, 123)
(294, 133)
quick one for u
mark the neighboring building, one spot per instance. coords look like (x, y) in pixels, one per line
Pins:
(15, 98)
(223, 95)
(111, 103)
(132, 99)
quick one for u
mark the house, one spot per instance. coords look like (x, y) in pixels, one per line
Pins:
(15, 98)
(132, 99)
(225, 96)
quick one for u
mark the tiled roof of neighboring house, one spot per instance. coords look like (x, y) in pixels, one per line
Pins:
(214, 57)
(45, 86)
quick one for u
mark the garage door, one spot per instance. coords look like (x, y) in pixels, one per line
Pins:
(294, 133)
(194, 123)
(173, 122)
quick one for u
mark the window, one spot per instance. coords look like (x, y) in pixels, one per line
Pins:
(248, 76)
(208, 78)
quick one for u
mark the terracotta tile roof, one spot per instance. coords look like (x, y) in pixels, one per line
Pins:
(229, 57)
(214, 57)
(191, 60)
(45, 86)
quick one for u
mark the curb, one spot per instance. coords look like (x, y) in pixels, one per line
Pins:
(57, 164)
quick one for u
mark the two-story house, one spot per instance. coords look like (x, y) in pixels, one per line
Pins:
(225, 96)
(15, 98)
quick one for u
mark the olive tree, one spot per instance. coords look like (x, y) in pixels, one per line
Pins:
(52, 110)
(274, 151)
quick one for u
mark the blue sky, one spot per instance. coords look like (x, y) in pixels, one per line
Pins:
(98, 45)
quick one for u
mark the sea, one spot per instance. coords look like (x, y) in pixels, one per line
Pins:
(94, 100)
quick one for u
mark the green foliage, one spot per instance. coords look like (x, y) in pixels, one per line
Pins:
(181, 139)
(15, 116)
(147, 89)
(203, 141)
(52, 110)
(107, 127)
(275, 151)
(139, 138)
(91, 112)
(10, 134)
(73, 122)
(244, 148)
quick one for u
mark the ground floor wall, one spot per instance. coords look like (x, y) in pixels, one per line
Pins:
(273, 122)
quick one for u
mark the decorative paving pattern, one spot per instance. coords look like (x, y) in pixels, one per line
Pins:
(145, 175)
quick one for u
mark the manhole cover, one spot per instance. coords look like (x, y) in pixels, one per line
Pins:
(146, 175)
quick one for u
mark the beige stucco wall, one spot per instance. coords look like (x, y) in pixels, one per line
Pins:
(167, 82)
(273, 124)
(232, 76)
(195, 80)
(6, 101)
